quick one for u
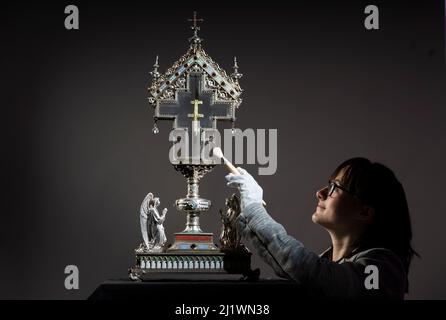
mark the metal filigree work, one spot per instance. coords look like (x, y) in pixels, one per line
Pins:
(229, 236)
(165, 87)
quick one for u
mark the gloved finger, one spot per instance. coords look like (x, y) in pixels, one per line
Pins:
(247, 175)
(236, 178)
(230, 177)
(233, 184)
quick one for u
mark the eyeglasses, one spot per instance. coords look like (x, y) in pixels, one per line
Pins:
(332, 185)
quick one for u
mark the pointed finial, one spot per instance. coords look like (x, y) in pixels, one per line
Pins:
(195, 39)
(236, 75)
(154, 73)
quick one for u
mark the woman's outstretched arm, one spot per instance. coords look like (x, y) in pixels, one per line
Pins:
(290, 259)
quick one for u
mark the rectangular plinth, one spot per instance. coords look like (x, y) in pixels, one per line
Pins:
(197, 262)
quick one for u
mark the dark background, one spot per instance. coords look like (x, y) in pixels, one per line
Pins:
(78, 154)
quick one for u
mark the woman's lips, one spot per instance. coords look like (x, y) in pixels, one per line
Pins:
(321, 206)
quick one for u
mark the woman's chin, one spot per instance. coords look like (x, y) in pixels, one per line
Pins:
(315, 217)
(320, 219)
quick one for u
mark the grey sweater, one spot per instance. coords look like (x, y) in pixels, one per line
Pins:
(321, 277)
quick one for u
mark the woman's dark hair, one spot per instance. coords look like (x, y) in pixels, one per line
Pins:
(377, 186)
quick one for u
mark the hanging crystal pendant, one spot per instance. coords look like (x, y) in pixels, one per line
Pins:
(155, 129)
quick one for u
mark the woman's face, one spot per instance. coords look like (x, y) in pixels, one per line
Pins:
(339, 212)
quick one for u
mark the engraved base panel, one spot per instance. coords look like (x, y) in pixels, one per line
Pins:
(238, 262)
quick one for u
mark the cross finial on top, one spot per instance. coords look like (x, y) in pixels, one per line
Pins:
(195, 20)
(195, 40)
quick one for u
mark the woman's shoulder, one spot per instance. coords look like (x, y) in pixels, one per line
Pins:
(378, 256)
(390, 267)
(376, 253)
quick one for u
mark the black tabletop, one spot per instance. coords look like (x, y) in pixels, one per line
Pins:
(183, 290)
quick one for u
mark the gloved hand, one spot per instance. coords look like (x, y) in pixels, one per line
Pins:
(250, 191)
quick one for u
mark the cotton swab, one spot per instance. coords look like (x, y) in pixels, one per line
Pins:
(219, 154)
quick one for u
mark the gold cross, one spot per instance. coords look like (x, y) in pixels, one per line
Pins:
(196, 115)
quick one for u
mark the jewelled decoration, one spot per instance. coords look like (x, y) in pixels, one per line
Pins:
(195, 73)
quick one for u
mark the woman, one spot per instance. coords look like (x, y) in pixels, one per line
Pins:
(364, 209)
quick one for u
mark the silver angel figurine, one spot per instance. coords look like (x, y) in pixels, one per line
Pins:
(152, 228)
(229, 237)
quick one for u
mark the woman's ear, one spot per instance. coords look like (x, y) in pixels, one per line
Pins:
(367, 213)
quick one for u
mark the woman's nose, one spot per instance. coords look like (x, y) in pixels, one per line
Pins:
(322, 193)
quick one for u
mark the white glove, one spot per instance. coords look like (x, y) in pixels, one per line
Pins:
(250, 191)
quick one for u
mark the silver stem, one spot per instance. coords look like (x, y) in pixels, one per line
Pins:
(193, 222)
(193, 218)
(192, 204)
